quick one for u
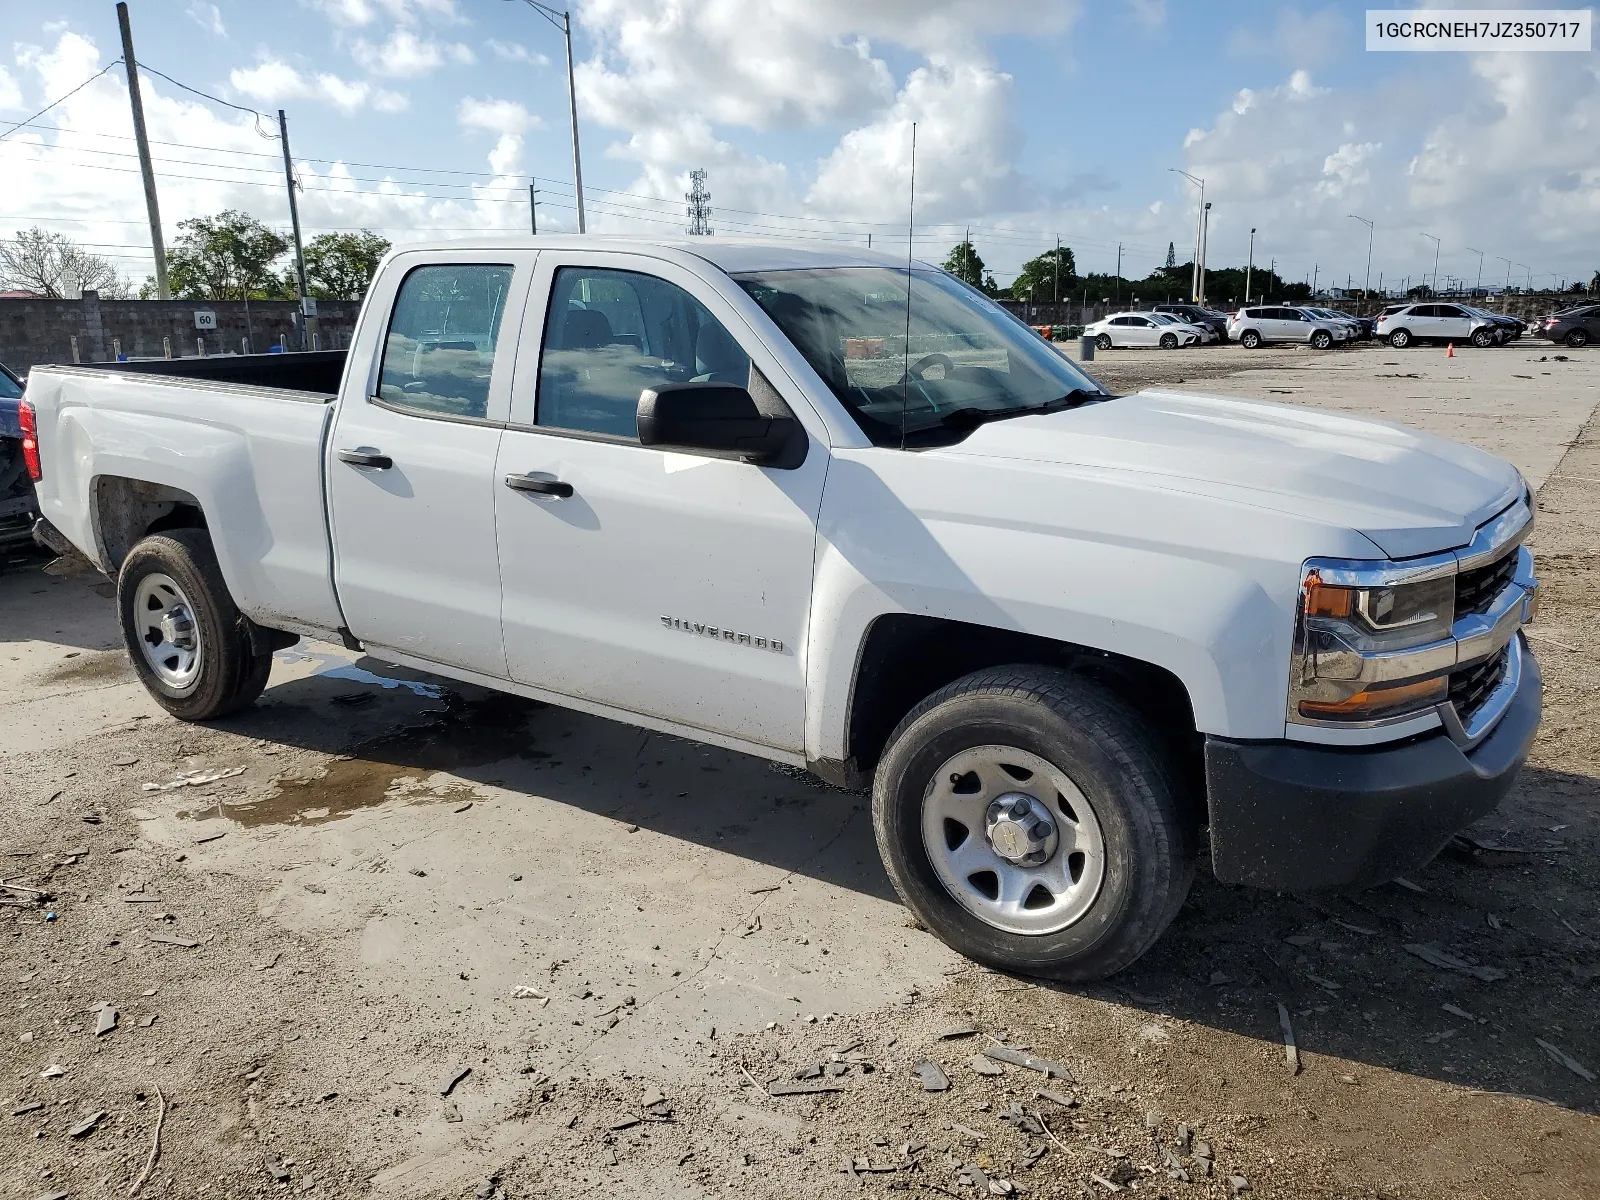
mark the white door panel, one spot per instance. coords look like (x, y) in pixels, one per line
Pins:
(410, 467)
(668, 584)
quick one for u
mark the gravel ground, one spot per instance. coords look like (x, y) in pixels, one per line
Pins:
(275, 1056)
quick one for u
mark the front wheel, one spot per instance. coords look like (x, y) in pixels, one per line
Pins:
(1169, 341)
(1028, 819)
(1322, 339)
(1400, 339)
(189, 643)
(1483, 338)
(1103, 341)
(1578, 338)
(1249, 339)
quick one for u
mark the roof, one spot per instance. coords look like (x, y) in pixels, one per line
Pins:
(729, 254)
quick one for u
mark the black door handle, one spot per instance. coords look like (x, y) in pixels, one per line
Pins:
(543, 487)
(366, 456)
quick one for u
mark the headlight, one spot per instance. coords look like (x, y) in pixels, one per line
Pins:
(1357, 638)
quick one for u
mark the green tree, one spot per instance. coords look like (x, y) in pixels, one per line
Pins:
(226, 257)
(339, 266)
(965, 263)
(1043, 278)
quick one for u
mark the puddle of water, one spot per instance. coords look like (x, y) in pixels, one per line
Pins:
(334, 667)
(90, 667)
(396, 766)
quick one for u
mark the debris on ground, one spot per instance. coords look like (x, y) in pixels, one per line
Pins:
(194, 779)
(1291, 1051)
(933, 1079)
(452, 1079)
(1021, 1058)
(1444, 960)
(1566, 1060)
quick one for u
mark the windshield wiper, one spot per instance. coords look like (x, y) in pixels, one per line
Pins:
(972, 417)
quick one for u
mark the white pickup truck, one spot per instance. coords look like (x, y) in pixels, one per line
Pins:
(809, 504)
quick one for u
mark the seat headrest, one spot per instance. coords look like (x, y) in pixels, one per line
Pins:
(585, 329)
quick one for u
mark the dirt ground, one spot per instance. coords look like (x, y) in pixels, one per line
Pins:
(432, 942)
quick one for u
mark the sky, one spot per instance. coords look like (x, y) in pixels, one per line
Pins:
(1034, 120)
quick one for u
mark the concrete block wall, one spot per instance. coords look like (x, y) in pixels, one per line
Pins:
(34, 331)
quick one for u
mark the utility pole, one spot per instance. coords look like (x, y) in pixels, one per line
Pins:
(563, 22)
(1315, 268)
(1250, 265)
(1205, 236)
(1199, 220)
(1058, 268)
(1272, 273)
(1119, 273)
(1435, 242)
(699, 206)
(130, 64)
(533, 206)
(294, 219)
(1366, 283)
(1507, 262)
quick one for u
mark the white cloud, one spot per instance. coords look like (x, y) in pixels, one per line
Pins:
(207, 16)
(496, 116)
(515, 52)
(406, 54)
(273, 81)
(358, 13)
(1152, 14)
(10, 93)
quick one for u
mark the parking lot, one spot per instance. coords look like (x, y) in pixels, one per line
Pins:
(313, 917)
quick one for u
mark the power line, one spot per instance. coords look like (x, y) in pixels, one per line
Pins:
(62, 100)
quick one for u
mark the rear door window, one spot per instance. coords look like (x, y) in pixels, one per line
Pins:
(439, 353)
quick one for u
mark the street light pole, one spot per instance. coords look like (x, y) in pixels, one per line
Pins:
(1366, 284)
(563, 22)
(1435, 242)
(1205, 236)
(1199, 230)
(1478, 286)
(1507, 262)
(1250, 264)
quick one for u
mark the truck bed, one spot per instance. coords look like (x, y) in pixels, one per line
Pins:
(121, 444)
(311, 371)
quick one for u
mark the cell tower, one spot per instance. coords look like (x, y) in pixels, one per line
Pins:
(699, 207)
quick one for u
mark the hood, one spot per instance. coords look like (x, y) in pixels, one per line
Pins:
(1408, 492)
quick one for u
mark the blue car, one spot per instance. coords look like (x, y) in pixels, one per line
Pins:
(17, 505)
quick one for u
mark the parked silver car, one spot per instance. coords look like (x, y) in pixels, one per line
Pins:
(1437, 323)
(1252, 327)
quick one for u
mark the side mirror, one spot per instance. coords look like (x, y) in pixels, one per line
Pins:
(719, 418)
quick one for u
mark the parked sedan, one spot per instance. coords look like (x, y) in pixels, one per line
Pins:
(1195, 315)
(1437, 323)
(1206, 334)
(1575, 326)
(1139, 329)
(1252, 327)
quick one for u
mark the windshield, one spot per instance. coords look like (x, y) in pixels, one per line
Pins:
(966, 360)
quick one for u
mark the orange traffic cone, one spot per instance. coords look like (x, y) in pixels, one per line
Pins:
(1450, 351)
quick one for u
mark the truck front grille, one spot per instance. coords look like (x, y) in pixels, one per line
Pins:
(1470, 686)
(1477, 588)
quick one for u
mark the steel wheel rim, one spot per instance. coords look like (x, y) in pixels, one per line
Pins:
(167, 632)
(1027, 900)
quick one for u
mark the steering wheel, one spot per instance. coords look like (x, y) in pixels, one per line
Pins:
(917, 369)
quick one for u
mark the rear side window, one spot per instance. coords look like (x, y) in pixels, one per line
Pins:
(439, 354)
(611, 334)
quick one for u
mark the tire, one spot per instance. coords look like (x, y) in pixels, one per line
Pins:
(1578, 338)
(1134, 844)
(1103, 342)
(1400, 339)
(1483, 338)
(1322, 339)
(1169, 341)
(1249, 339)
(222, 673)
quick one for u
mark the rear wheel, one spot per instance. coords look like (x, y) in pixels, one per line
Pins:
(1103, 341)
(1028, 819)
(189, 643)
(1578, 338)
(1249, 339)
(1322, 339)
(1169, 341)
(1400, 339)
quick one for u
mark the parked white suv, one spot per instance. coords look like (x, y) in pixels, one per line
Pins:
(1140, 329)
(1437, 323)
(1252, 327)
(720, 489)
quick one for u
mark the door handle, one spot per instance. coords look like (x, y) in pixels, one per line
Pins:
(542, 487)
(366, 456)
